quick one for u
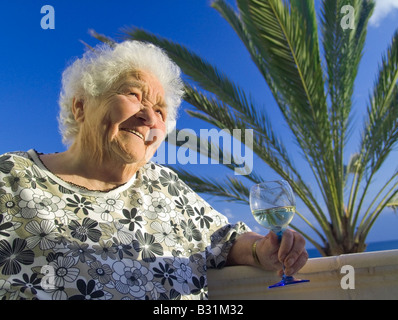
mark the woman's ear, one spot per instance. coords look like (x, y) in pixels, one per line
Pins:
(78, 109)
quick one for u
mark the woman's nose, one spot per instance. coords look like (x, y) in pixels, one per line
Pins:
(147, 115)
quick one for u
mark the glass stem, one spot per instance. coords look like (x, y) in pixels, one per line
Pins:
(279, 234)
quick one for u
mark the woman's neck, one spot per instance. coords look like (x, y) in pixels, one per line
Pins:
(93, 174)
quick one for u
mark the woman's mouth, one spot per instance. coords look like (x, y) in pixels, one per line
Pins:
(134, 132)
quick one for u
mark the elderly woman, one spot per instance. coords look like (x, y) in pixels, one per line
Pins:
(100, 221)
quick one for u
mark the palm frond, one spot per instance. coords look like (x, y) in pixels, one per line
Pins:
(233, 18)
(101, 37)
(382, 123)
(381, 130)
(200, 71)
(229, 189)
(296, 69)
(268, 148)
(393, 203)
(292, 64)
(369, 219)
(342, 51)
(265, 143)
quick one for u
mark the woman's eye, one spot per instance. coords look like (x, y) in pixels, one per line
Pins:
(160, 113)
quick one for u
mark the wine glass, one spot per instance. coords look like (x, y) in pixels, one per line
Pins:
(273, 205)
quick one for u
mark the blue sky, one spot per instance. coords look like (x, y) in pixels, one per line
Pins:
(32, 60)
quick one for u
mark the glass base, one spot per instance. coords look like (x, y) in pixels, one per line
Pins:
(287, 280)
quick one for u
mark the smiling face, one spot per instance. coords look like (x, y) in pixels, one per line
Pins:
(129, 123)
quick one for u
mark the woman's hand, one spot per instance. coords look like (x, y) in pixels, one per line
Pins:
(270, 252)
(290, 251)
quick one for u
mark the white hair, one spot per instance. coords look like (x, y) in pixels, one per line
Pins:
(100, 68)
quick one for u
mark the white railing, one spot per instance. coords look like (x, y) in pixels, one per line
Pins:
(370, 275)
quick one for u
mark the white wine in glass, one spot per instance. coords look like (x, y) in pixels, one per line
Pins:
(273, 205)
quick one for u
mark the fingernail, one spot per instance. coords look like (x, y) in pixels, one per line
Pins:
(289, 262)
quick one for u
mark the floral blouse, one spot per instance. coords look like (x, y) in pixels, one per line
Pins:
(152, 238)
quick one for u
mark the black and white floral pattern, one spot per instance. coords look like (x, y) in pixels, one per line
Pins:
(152, 238)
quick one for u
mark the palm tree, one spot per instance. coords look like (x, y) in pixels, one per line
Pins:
(314, 94)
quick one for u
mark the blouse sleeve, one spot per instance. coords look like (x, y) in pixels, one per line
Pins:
(221, 242)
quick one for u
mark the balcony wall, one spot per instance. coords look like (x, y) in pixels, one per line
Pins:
(375, 276)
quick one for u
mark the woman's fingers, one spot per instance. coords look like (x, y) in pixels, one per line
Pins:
(292, 252)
